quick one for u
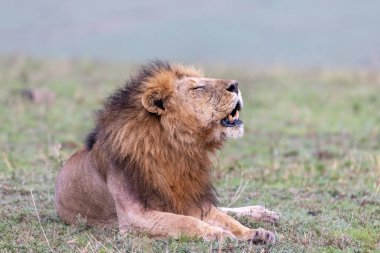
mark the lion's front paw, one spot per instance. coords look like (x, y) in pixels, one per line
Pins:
(263, 236)
(258, 213)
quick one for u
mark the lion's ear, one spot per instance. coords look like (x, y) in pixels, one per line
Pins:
(154, 101)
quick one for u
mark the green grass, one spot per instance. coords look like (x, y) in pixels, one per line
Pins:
(311, 152)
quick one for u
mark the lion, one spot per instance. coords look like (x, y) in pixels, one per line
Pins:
(146, 165)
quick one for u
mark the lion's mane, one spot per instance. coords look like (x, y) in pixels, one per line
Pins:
(165, 167)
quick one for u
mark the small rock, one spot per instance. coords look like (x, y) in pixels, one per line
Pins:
(38, 95)
(314, 212)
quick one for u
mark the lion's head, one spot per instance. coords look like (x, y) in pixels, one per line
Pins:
(194, 106)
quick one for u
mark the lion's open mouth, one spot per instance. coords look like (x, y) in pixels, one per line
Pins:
(232, 119)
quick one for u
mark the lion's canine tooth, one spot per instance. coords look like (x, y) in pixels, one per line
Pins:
(230, 118)
(236, 116)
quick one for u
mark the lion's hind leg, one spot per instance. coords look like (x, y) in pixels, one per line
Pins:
(256, 213)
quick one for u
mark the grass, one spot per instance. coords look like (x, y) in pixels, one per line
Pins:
(311, 152)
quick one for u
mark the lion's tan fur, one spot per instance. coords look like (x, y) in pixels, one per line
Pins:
(149, 157)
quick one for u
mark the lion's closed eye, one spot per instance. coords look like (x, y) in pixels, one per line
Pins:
(198, 88)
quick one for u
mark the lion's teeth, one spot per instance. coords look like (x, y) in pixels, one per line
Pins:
(230, 118)
(235, 117)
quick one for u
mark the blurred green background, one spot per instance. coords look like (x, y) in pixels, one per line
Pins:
(259, 32)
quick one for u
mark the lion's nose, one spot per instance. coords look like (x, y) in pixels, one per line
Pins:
(233, 87)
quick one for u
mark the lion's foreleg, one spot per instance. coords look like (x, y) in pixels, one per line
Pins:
(156, 223)
(256, 213)
(218, 218)
(132, 217)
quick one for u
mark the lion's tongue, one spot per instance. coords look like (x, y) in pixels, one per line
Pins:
(226, 123)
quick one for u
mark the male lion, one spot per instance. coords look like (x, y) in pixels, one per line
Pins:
(146, 165)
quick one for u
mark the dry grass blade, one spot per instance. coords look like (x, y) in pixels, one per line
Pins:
(239, 191)
(39, 221)
(7, 162)
(92, 238)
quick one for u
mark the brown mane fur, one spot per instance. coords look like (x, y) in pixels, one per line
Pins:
(167, 167)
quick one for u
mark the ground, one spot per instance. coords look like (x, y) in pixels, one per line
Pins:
(311, 152)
